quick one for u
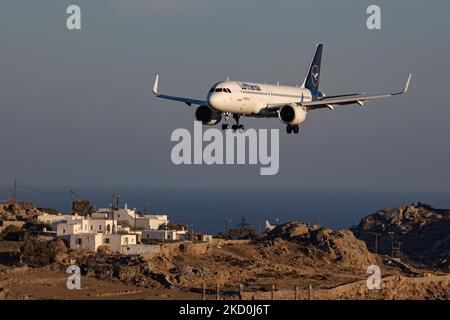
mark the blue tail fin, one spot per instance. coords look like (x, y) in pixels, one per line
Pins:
(312, 78)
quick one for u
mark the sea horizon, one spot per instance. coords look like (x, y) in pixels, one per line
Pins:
(211, 210)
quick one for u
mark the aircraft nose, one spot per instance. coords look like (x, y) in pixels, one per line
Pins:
(214, 100)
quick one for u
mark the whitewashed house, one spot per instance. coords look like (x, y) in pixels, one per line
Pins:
(54, 219)
(86, 225)
(131, 217)
(91, 241)
(163, 235)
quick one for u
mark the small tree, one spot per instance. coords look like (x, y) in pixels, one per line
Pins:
(82, 207)
(37, 253)
(242, 231)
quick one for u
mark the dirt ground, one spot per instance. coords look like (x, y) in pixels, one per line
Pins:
(256, 266)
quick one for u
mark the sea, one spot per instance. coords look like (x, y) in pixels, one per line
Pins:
(213, 210)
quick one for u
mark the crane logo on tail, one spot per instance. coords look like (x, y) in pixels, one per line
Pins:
(315, 75)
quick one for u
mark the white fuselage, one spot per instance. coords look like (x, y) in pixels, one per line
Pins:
(252, 99)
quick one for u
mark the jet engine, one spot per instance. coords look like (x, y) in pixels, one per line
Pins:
(207, 116)
(292, 114)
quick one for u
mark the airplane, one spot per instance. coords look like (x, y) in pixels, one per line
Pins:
(290, 104)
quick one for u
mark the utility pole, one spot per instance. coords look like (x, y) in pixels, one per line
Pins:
(146, 206)
(14, 191)
(395, 249)
(72, 199)
(376, 243)
(226, 226)
(114, 207)
(135, 217)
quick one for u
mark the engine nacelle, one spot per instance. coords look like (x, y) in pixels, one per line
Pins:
(207, 116)
(292, 115)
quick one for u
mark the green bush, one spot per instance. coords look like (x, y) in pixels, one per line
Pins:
(37, 253)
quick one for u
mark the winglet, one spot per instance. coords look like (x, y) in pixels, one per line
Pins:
(405, 88)
(155, 85)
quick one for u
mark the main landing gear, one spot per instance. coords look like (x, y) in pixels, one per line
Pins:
(290, 129)
(234, 127)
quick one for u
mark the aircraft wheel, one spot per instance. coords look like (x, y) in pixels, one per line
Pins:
(234, 127)
(295, 129)
(289, 129)
(224, 126)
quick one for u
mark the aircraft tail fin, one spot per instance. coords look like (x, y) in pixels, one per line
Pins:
(312, 78)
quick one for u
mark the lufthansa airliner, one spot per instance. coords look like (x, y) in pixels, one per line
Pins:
(290, 104)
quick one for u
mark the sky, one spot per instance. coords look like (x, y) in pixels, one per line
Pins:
(76, 107)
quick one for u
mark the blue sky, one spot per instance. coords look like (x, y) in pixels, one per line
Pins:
(76, 106)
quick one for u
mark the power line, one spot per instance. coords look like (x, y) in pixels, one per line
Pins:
(65, 193)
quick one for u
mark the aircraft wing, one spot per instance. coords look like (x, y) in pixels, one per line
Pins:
(331, 102)
(188, 101)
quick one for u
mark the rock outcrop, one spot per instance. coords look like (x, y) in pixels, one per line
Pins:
(17, 210)
(417, 232)
(323, 244)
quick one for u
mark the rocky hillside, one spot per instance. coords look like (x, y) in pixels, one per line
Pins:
(10, 210)
(340, 247)
(420, 231)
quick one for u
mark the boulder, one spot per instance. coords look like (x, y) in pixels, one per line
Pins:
(289, 231)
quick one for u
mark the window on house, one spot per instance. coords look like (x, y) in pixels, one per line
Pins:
(100, 227)
(79, 241)
(64, 230)
(92, 227)
(107, 240)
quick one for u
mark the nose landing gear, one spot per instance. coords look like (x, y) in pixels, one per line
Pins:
(234, 127)
(237, 125)
(290, 129)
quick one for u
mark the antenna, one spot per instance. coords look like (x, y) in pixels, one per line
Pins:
(227, 79)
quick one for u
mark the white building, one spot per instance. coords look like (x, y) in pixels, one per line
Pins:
(91, 241)
(131, 217)
(54, 219)
(86, 225)
(163, 235)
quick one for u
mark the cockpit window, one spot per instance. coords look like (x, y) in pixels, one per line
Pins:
(220, 90)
